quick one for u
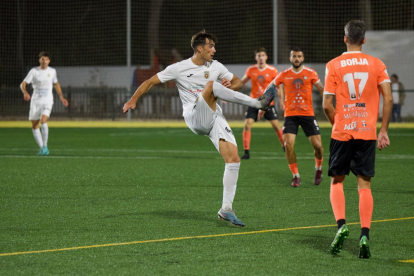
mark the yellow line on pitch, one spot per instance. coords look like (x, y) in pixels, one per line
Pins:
(189, 238)
(406, 261)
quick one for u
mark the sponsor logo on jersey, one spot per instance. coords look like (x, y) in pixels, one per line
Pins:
(354, 105)
(356, 114)
(206, 74)
(354, 61)
(351, 126)
(189, 75)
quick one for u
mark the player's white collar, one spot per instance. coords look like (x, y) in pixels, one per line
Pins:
(351, 52)
(298, 71)
(263, 68)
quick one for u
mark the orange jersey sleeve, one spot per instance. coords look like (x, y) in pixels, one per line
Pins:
(354, 79)
(298, 91)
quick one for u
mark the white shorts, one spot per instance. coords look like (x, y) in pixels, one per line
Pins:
(202, 120)
(39, 108)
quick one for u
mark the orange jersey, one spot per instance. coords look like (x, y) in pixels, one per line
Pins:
(354, 78)
(260, 78)
(298, 90)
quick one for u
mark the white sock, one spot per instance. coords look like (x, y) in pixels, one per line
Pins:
(231, 174)
(318, 168)
(38, 136)
(45, 133)
(229, 95)
(297, 175)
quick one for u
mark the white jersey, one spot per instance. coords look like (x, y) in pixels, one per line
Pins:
(191, 78)
(42, 82)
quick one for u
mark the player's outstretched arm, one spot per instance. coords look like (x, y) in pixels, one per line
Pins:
(142, 89)
(59, 91)
(245, 79)
(328, 107)
(236, 84)
(383, 140)
(26, 95)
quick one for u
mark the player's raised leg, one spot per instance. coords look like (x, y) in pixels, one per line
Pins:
(316, 142)
(289, 139)
(37, 135)
(231, 173)
(216, 90)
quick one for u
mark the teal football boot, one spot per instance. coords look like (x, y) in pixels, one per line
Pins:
(229, 215)
(45, 151)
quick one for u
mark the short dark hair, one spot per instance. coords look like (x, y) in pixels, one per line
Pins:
(44, 54)
(394, 76)
(355, 32)
(199, 39)
(296, 49)
(261, 49)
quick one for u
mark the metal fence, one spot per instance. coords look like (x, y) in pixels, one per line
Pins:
(107, 103)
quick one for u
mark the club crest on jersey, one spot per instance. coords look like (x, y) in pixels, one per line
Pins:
(297, 83)
(305, 77)
(206, 74)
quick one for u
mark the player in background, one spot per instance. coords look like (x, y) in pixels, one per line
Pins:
(261, 74)
(355, 80)
(298, 81)
(201, 81)
(43, 79)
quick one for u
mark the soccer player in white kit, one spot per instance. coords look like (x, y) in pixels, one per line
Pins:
(197, 82)
(43, 79)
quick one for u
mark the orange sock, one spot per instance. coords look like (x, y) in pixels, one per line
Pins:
(338, 200)
(294, 168)
(366, 206)
(318, 162)
(246, 139)
(280, 136)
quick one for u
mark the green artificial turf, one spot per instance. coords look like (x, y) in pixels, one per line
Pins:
(132, 191)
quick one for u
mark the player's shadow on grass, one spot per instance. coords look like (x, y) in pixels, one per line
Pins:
(182, 215)
(323, 244)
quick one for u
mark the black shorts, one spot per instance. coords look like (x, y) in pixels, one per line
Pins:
(308, 123)
(357, 156)
(271, 113)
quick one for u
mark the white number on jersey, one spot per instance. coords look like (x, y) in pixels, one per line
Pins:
(349, 78)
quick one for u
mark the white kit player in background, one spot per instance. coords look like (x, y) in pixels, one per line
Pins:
(201, 81)
(43, 79)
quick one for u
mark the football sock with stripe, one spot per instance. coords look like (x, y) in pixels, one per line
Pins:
(318, 163)
(294, 169)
